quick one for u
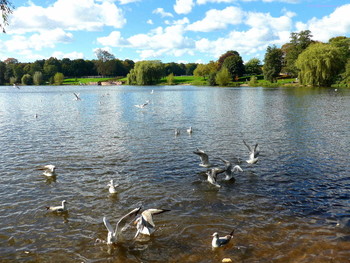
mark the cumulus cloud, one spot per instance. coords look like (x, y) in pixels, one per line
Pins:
(162, 13)
(335, 24)
(218, 19)
(202, 2)
(114, 39)
(71, 55)
(183, 6)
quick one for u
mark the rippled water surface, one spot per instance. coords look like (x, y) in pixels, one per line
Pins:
(292, 206)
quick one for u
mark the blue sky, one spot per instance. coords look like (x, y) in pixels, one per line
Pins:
(167, 30)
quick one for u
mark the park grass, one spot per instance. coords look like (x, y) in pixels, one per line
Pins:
(84, 81)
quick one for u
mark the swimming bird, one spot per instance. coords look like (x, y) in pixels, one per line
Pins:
(229, 170)
(212, 175)
(189, 130)
(15, 86)
(152, 91)
(141, 106)
(177, 132)
(77, 97)
(145, 224)
(204, 158)
(61, 208)
(112, 187)
(221, 241)
(49, 170)
(253, 153)
(113, 235)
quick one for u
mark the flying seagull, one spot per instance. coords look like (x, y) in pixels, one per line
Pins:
(204, 158)
(229, 170)
(221, 241)
(145, 224)
(112, 236)
(212, 175)
(49, 170)
(15, 86)
(77, 97)
(61, 208)
(141, 106)
(253, 153)
(112, 187)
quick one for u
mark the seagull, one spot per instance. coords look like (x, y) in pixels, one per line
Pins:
(49, 170)
(112, 187)
(15, 86)
(177, 132)
(145, 224)
(77, 97)
(152, 91)
(61, 208)
(229, 170)
(141, 106)
(112, 236)
(221, 241)
(189, 130)
(253, 153)
(204, 158)
(212, 175)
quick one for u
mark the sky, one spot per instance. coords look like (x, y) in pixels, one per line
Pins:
(181, 31)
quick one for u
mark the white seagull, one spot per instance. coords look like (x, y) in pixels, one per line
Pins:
(112, 236)
(61, 208)
(204, 158)
(189, 130)
(15, 86)
(253, 153)
(177, 132)
(212, 175)
(141, 106)
(229, 170)
(77, 97)
(221, 241)
(112, 187)
(145, 224)
(49, 170)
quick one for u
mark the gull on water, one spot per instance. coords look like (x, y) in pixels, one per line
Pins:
(77, 96)
(204, 158)
(113, 234)
(112, 187)
(141, 106)
(49, 170)
(145, 224)
(221, 241)
(229, 170)
(253, 153)
(189, 130)
(61, 208)
(15, 86)
(212, 175)
(177, 132)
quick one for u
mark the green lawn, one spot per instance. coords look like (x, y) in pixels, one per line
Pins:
(77, 81)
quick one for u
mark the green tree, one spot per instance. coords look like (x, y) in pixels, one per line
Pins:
(202, 70)
(253, 67)
(190, 67)
(146, 73)
(346, 74)
(170, 79)
(6, 8)
(51, 67)
(272, 63)
(212, 79)
(223, 77)
(58, 78)
(27, 79)
(343, 43)
(2, 72)
(320, 64)
(235, 66)
(226, 55)
(38, 78)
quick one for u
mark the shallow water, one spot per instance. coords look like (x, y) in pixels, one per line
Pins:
(283, 209)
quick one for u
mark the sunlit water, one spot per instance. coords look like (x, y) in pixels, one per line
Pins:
(283, 209)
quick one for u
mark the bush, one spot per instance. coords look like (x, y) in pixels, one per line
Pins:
(223, 77)
(27, 79)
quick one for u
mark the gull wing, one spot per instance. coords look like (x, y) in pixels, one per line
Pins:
(108, 225)
(204, 157)
(126, 218)
(147, 216)
(248, 146)
(256, 151)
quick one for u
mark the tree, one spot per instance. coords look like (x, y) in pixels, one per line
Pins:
(319, 64)
(253, 67)
(235, 66)
(51, 67)
(146, 73)
(346, 74)
(103, 55)
(2, 72)
(190, 67)
(6, 8)
(202, 70)
(38, 78)
(27, 79)
(223, 77)
(272, 63)
(58, 78)
(343, 43)
(170, 79)
(226, 55)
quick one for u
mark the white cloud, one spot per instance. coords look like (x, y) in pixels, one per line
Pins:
(202, 2)
(114, 39)
(161, 12)
(149, 21)
(335, 24)
(123, 2)
(218, 19)
(183, 6)
(71, 55)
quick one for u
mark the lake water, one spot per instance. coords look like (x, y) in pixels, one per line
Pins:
(283, 209)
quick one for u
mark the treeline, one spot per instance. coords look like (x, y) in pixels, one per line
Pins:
(312, 62)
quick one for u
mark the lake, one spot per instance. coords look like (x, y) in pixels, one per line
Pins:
(292, 206)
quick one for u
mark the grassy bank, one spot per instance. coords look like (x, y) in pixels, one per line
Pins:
(78, 81)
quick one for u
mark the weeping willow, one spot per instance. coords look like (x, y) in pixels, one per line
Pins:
(319, 65)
